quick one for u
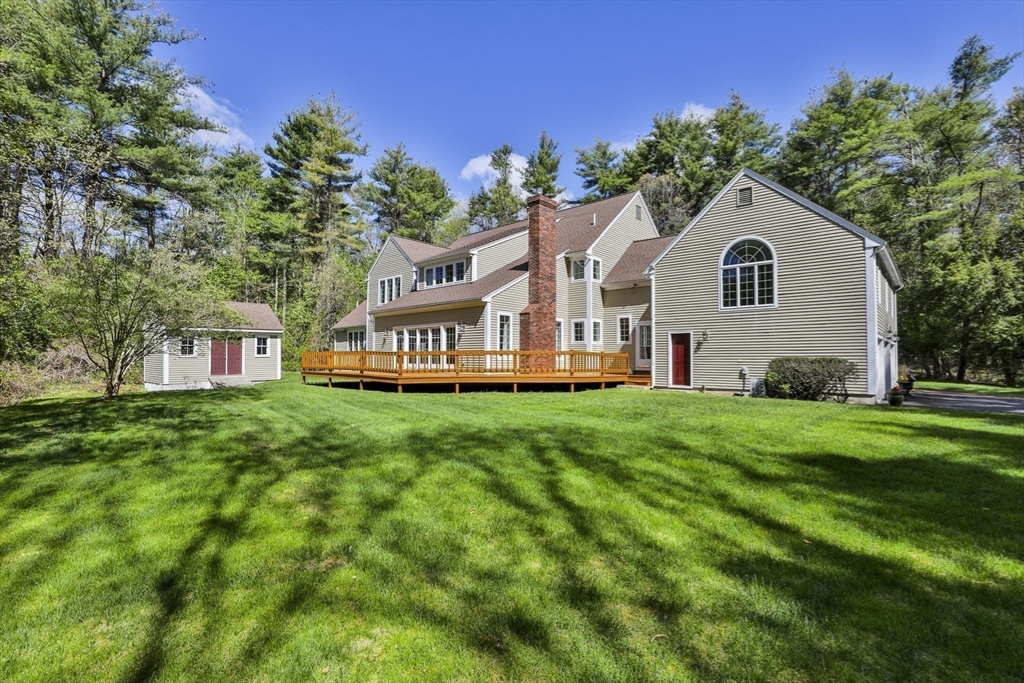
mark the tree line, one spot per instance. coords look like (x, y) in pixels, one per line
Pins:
(118, 225)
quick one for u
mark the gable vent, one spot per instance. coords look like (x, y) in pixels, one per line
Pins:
(745, 196)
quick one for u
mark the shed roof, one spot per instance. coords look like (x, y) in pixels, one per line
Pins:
(255, 316)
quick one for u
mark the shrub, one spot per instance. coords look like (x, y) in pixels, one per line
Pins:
(20, 381)
(809, 378)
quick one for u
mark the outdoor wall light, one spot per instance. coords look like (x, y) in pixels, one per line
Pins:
(703, 335)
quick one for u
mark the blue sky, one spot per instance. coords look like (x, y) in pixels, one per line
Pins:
(455, 80)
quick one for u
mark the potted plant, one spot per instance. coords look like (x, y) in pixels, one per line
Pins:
(906, 382)
(895, 396)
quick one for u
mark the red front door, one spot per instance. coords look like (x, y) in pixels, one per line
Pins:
(226, 357)
(681, 359)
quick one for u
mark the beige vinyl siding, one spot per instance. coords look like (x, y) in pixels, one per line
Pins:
(494, 256)
(471, 338)
(821, 293)
(391, 262)
(153, 368)
(634, 302)
(576, 307)
(512, 301)
(885, 303)
(189, 369)
(262, 368)
(562, 300)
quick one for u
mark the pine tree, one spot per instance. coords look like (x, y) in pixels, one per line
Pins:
(501, 203)
(312, 173)
(600, 168)
(541, 175)
(405, 198)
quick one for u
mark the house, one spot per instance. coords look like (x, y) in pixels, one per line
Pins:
(761, 272)
(244, 354)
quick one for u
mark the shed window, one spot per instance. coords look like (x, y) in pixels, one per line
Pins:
(748, 275)
(262, 347)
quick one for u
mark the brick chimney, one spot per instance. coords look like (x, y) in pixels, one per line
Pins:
(537, 320)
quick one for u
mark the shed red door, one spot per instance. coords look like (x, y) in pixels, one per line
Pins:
(226, 357)
(681, 359)
(218, 357)
(235, 357)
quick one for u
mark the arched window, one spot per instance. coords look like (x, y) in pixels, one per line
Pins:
(748, 274)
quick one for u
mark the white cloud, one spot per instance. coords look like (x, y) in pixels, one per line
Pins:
(697, 111)
(220, 111)
(625, 145)
(480, 167)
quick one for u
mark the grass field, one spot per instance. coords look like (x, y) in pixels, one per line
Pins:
(968, 388)
(291, 533)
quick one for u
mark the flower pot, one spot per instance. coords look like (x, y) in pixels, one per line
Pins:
(895, 399)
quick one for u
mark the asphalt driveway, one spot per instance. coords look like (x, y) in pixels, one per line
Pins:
(949, 400)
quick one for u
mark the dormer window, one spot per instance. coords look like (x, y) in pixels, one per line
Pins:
(444, 274)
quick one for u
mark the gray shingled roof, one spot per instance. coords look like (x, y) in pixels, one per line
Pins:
(416, 250)
(467, 291)
(354, 318)
(258, 316)
(635, 260)
(576, 230)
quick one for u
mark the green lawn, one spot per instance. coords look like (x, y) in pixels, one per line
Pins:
(291, 533)
(967, 387)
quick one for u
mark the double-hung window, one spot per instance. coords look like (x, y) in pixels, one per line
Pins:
(558, 335)
(625, 328)
(748, 275)
(579, 332)
(597, 331)
(262, 347)
(390, 288)
(596, 269)
(187, 347)
(579, 270)
(504, 332)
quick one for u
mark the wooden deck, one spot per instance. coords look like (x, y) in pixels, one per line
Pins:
(457, 368)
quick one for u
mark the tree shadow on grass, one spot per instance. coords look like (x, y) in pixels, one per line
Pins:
(645, 558)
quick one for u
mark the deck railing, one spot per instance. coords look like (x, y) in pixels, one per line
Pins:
(467, 363)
